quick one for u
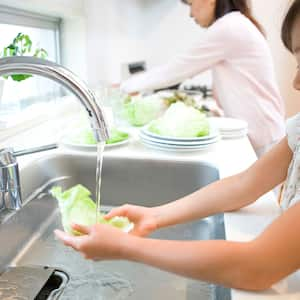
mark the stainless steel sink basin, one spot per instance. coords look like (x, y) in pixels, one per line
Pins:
(29, 240)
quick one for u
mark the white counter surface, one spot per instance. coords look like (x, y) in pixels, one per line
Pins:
(230, 156)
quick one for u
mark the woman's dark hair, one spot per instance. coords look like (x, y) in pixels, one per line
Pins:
(224, 7)
(288, 24)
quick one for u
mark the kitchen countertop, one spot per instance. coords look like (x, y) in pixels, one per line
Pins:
(230, 156)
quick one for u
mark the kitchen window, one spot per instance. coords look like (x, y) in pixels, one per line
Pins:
(44, 32)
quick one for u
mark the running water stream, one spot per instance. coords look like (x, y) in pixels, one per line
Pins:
(100, 151)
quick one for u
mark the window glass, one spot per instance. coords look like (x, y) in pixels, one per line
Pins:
(16, 97)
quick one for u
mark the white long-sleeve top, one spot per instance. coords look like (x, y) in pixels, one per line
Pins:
(291, 194)
(243, 75)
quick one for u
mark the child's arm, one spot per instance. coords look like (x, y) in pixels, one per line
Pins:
(254, 265)
(228, 194)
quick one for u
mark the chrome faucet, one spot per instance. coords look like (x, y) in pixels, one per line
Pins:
(10, 192)
(10, 195)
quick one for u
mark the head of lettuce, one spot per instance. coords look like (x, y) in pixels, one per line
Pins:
(76, 206)
(181, 120)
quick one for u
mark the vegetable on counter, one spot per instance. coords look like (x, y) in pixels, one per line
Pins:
(86, 137)
(172, 97)
(181, 120)
(77, 206)
(178, 96)
(139, 110)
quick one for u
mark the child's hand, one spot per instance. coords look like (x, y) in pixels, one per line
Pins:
(98, 242)
(144, 218)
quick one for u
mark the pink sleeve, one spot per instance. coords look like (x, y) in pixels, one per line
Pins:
(207, 52)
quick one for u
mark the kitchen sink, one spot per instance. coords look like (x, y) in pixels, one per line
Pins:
(28, 240)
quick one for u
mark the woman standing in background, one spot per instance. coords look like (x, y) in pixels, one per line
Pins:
(235, 48)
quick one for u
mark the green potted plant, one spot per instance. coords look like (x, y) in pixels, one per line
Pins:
(21, 45)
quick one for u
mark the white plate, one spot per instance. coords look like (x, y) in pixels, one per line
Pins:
(214, 132)
(234, 136)
(229, 124)
(239, 133)
(234, 131)
(163, 147)
(90, 148)
(177, 143)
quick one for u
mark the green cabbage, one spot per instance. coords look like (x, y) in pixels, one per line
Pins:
(86, 137)
(117, 136)
(76, 206)
(182, 121)
(139, 110)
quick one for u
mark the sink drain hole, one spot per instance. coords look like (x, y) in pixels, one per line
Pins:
(54, 286)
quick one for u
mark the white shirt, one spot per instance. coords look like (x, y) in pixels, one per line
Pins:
(291, 193)
(244, 82)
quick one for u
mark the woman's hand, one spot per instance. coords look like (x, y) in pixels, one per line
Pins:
(145, 219)
(98, 242)
(134, 94)
(118, 85)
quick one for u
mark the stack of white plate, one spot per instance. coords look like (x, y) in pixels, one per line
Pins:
(177, 144)
(230, 128)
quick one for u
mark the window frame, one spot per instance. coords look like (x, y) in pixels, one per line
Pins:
(16, 16)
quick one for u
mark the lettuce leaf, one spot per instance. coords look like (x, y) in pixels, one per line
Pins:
(86, 137)
(117, 136)
(181, 120)
(77, 206)
(139, 110)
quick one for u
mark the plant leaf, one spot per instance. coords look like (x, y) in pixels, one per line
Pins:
(22, 45)
(20, 77)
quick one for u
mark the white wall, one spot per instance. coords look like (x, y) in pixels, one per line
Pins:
(73, 45)
(271, 13)
(62, 8)
(131, 30)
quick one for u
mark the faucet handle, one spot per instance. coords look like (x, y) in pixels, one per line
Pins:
(7, 157)
(10, 190)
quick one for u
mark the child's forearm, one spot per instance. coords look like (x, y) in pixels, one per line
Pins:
(225, 195)
(231, 193)
(219, 262)
(254, 265)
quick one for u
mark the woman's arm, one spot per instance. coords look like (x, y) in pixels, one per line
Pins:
(231, 193)
(254, 265)
(211, 48)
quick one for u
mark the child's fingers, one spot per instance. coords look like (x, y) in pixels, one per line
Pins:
(119, 211)
(81, 228)
(67, 239)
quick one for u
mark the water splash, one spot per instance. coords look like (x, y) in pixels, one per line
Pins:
(97, 286)
(88, 279)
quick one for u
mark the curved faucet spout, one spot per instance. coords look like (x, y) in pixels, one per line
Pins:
(61, 75)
